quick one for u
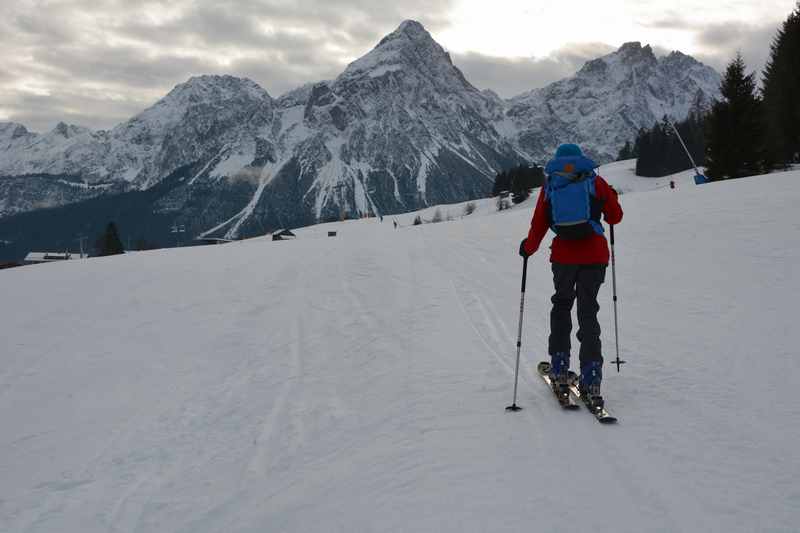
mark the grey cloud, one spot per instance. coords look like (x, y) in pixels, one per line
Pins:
(116, 67)
(510, 77)
(672, 21)
(283, 77)
(30, 27)
(97, 110)
(104, 60)
(721, 42)
(732, 33)
(353, 23)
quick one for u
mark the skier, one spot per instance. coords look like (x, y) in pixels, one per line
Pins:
(570, 203)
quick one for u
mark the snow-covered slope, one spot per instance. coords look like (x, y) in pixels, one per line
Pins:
(622, 176)
(610, 99)
(358, 383)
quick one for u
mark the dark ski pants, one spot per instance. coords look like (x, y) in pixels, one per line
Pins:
(583, 282)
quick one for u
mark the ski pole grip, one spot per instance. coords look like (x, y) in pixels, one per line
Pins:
(524, 272)
(612, 234)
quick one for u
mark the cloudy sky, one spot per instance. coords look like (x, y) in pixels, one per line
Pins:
(98, 62)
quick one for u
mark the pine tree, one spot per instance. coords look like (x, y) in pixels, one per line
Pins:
(519, 181)
(502, 183)
(627, 152)
(734, 128)
(641, 146)
(523, 180)
(660, 150)
(782, 92)
(109, 243)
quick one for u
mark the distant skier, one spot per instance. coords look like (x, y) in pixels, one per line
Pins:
(395, 224)
(571, 203)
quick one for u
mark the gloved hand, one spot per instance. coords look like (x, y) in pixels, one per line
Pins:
(522, 251)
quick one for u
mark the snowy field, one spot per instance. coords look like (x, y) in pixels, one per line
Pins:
(358, 383)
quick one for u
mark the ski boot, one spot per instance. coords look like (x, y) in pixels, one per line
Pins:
(559, 373)
(589, 384)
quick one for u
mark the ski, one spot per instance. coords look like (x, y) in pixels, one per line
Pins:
(599, 411)
(565, 400)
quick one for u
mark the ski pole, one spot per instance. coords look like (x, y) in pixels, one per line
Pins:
(514, 406)
(614, 286)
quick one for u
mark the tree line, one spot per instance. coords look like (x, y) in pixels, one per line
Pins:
(658, 152)
(518, 182)
(749, 131)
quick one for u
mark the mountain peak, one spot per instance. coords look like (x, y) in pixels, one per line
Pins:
(205, 89)
(680, 59)
(410, 46)
(12, 130)
(634, 52)
(68, 130)
(632, 46)
(214, 85)
(410, 30)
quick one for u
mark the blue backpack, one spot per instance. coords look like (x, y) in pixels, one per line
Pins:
(570, 190)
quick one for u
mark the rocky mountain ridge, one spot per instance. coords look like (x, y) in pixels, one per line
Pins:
(398, 129)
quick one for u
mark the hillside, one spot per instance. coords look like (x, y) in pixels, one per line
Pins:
(358, 383)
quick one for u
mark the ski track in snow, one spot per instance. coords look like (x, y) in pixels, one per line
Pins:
(359, 383)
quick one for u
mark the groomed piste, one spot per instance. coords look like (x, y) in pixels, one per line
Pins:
(358, 383)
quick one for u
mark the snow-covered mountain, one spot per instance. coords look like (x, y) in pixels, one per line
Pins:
(199, 123)
(183, 127)
(399, 129)
(609, 99)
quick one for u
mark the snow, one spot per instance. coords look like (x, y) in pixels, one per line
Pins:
(210, 162)
(622, 176)
(387, 56)
(609, 99)
(382, 70)
(263, 179)
(358, 383)
(292, 125)
(235, 161)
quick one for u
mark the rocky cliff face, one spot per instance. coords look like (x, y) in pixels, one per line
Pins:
(400, 128)
(609, 99)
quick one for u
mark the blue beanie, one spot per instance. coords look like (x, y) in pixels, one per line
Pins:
(568, 150)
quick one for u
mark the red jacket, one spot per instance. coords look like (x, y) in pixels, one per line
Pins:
(593, 250)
